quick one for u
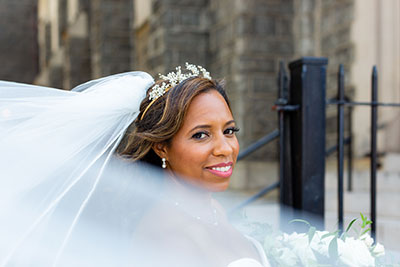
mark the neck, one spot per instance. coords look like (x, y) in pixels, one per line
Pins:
(181, 191)
(194, 201)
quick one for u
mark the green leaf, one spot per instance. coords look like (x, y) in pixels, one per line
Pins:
(311, 233)
(330, 234)
(343, 236)
(364, 223)
(301, 221)
(333, 249)
(365, 231)
(350, 225)
(326, 235)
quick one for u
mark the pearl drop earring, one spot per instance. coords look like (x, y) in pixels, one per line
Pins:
(164, 163)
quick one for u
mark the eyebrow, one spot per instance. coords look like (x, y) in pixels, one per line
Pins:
(202, 126)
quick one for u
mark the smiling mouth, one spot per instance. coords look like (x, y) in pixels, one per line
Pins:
(223, 170)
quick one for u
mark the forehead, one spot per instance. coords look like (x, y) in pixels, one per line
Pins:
(207, 106)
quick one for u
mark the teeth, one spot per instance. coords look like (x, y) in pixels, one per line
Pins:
(221, 169)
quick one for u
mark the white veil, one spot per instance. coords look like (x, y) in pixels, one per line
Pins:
(55, 152)
(66, 200)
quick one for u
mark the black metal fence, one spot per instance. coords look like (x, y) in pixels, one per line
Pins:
(341, 103)
(301, 107)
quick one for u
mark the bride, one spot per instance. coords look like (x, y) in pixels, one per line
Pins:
(60, 178)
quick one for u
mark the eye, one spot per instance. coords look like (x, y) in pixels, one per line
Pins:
(231, 130)
(200, 135)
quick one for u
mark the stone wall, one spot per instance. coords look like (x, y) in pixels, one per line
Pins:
(248, 40)
(110, 36)
(322, 28)
(18, 40)
(76, 46)
(336, 44)
(63, 43)
(84, 40)
(175, 33)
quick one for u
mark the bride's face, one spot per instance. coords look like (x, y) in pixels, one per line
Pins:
(204, 150)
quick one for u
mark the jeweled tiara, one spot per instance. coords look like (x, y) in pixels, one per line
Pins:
(172, 79)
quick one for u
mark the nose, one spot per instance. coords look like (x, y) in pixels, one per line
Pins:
(222, 147)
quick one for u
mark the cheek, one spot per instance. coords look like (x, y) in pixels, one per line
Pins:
(235, 148)
(187, 155)
(196, 154)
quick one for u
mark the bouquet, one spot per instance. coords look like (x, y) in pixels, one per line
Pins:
(322, 248)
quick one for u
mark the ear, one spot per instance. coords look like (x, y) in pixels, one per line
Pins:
(161, 150)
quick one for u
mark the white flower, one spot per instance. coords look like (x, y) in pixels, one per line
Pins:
(288, 258)
(320, 243)
(367, 240)
(297, 249)
(355, 253)
(300, 246)
(379, 250)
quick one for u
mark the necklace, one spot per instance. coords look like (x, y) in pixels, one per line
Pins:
(198, 206)
(213, 219)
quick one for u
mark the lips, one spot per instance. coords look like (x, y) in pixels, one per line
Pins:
(223, 170)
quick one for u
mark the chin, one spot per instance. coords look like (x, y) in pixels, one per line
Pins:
(220, 187)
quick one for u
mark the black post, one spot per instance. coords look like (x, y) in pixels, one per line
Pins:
(340, 141)
(374, 127)
(308, 90)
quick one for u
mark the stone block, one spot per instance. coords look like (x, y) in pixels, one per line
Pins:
(250, 64)
(56, 77)
(255, 25)
(222, 36)
(265, 45)
(264, 84)
(284, 27)
(187, 41)
(78, 62)
(189, 18)
(263, 7)
(156, 5)
(18, 40)
(184, 3)
(334, 16)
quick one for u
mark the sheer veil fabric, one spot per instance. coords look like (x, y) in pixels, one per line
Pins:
(65, 199)
(55, 150)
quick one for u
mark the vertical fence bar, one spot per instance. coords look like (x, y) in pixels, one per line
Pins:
(340, 141)
(350, 152)
(307, 133)
(284, 163)
(374, 119)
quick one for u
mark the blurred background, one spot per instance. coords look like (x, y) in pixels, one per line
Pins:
(62, 43)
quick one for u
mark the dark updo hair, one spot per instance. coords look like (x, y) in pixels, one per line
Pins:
(164, 118)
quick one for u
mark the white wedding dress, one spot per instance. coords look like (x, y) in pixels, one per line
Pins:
(248, 262)
(65, 200)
